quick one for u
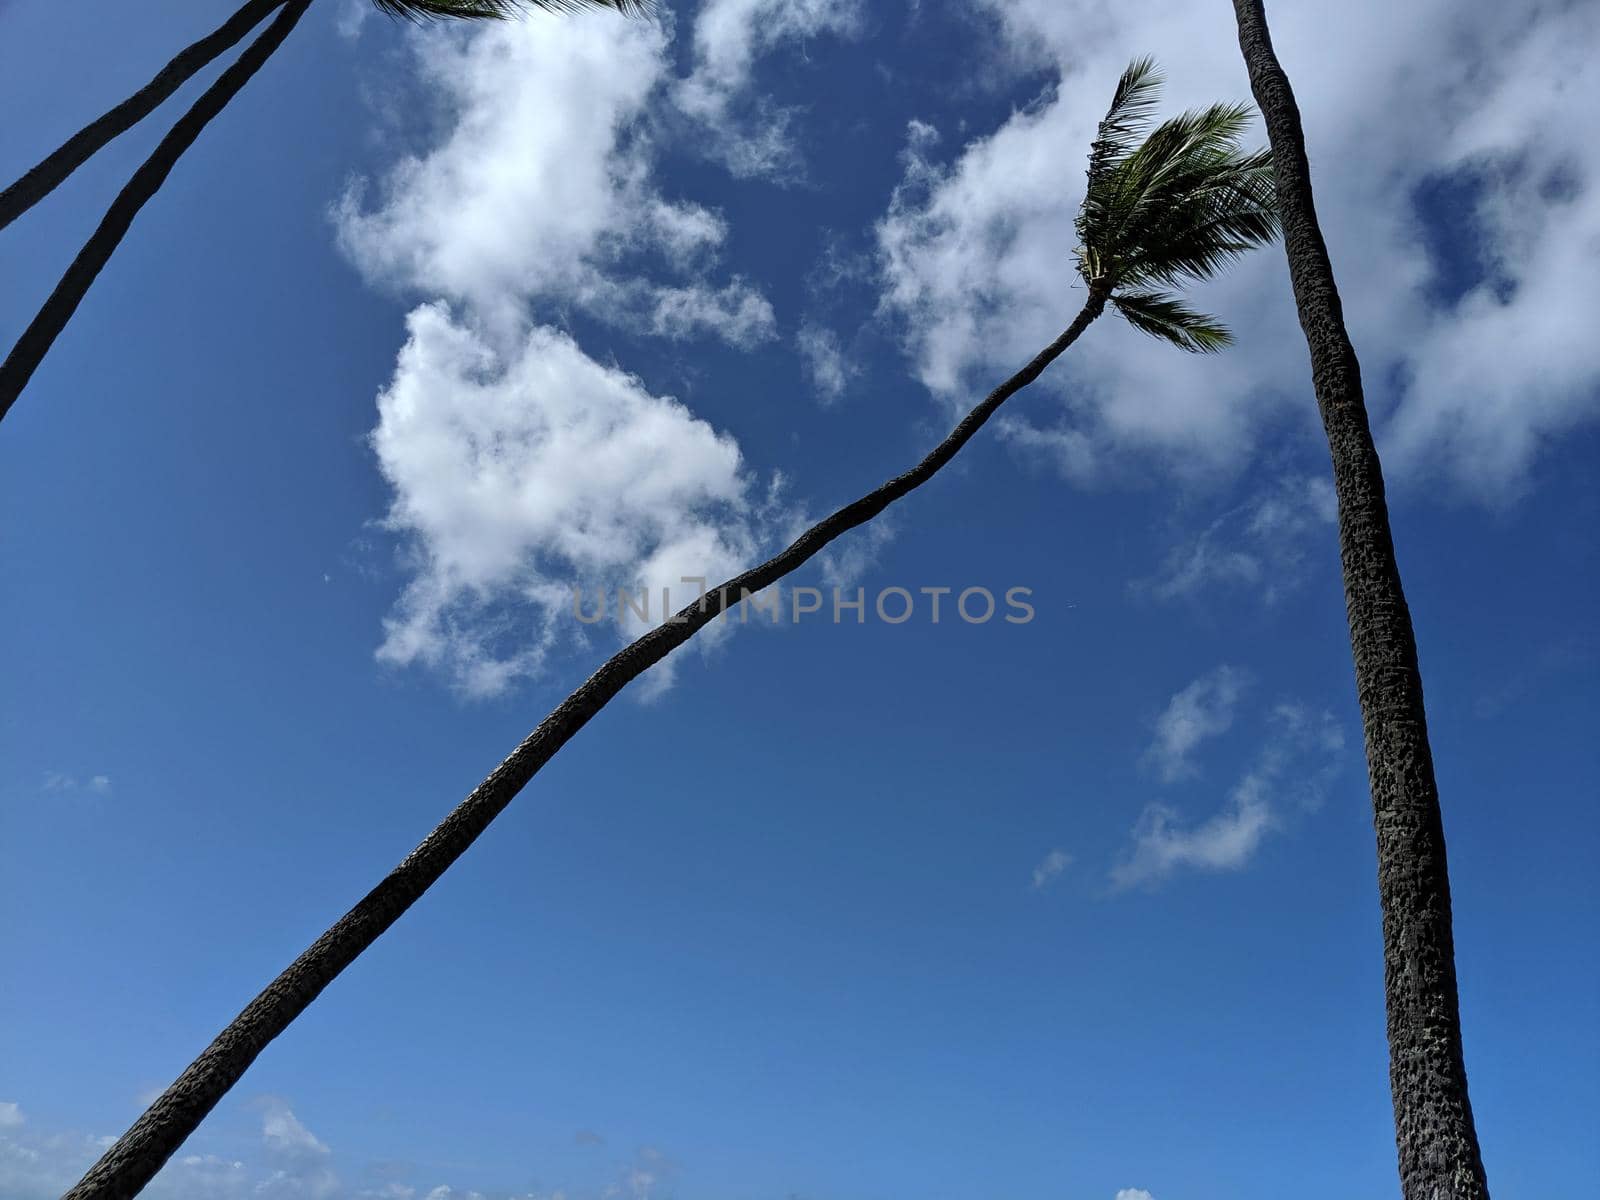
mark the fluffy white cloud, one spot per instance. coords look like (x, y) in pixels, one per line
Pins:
(1134, 1194)
(977, 252)
(1298, 762)
(1202, 710)
(10, 1114)
(520, 467)
(749, 133)
(516, 479)
(284, 1133)
(1517, 361)
(297, 1161)
(543, 186)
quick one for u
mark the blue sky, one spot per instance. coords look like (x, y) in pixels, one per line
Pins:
(430, 327)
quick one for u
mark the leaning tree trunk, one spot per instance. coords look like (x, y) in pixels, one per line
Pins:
(41, 334)
(83, 145)
(140, 1153)
(1438, 1144)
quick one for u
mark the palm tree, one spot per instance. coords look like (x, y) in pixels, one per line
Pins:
(1437, 1141)
(83, 145)
(42, 332)
(1177, 206)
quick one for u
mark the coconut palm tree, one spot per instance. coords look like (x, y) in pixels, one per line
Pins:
(81, 146)
(1177, 205)
(1437, 1141)
(42, 332)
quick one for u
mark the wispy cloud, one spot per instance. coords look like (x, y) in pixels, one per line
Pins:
(1291, 771)
(286, 1161)
(746, 130)
(1050, 869)
(60, 782)
(1261, 546)
(1202, 710)
(824, 361)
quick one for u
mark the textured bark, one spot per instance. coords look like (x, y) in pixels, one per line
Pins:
(41, 334)
(81, 146)
(1434, 1132)
(140, 1152)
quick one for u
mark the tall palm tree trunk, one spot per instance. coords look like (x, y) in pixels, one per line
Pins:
(83, 145)
(1438, 1144)
(37, 339)
(129, 1164)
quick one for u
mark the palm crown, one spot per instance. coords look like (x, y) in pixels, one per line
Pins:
(1170, 204)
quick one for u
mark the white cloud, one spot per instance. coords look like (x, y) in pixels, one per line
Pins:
(1225, 841)
(824, 361)
(284, 1133)
(1261, 545)
(1202, 710)
(516, 479)
(288, 1163)
(1297, 764)
(1050, 869)
(977, 252)
(291, 1164)
(351, 17)
(749, 133)
(11, 1114)
(1134, 1194)
(845, 563)
(60, 781)
(298, 1160)
(542, 189)
(737, 312)
(1517, 362)
(520, 466)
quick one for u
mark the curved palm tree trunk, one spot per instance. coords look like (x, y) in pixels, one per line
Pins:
(1438, 1144)
(81, 146)
(140, 1153)
(37, 339)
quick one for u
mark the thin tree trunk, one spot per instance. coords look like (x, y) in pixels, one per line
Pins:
(81, 146)
(140, 1153)
(37, 339)
(1438, 1144)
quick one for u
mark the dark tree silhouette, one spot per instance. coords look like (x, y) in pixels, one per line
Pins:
(1434, 1131)
(42, 332)
(83, 145)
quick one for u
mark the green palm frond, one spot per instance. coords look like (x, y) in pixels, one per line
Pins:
(1201, 231)
(1179, 204)
(1132, 105)
(1170, 319)
(480, 10)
